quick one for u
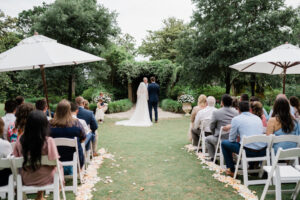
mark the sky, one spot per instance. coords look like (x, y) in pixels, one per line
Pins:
(135, 16)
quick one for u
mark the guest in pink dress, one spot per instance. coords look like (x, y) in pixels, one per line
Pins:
(256, 108)
(32, 145)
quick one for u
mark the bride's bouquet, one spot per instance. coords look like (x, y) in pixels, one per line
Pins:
(186, 98)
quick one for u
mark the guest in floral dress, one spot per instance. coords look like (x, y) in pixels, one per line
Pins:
(16, 129)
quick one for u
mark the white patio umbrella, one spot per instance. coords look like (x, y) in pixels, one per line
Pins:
(284, 59)
(40, 51)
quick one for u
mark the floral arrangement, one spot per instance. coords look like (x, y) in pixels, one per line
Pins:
(105, 98)
(186, 98)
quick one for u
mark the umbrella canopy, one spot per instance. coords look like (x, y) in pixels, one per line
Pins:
(284, 59)
(41, 51)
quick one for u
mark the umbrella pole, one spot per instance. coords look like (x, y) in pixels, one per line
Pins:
(284, 78)
(45, 88)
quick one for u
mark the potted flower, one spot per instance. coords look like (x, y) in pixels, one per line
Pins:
(186, 100)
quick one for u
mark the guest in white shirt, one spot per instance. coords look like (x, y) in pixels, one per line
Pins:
(9, 118)
(203, 114)
(88, 132)
(5, 150)
(42, 105)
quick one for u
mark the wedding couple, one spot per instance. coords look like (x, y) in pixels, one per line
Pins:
(147, 99)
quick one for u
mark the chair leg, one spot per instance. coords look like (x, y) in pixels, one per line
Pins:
(198, 147)
(11, 188)
(245, 170)
(296, 192)
(19, 188)
(75, 181)
(56, 188)
(277, 184)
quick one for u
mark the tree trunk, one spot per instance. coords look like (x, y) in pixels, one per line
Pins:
(227, 80)
(70, 87)
(252, 83)
(130, 96)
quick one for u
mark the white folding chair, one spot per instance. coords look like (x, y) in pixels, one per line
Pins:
(220, 154)
(245, 160)
(54, 187)
(87, 155)
(8, 189)
(204, 124)
(66, 142)
(285, 138)
(281, 174)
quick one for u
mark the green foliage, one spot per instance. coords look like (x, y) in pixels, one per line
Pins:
(270, 96)
(119, 106)
(171, 105)
(226, 32)
(161, 44)
(93, 107)
(161, 69)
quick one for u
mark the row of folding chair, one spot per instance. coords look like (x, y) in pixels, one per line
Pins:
(15, 179)
(77, 174)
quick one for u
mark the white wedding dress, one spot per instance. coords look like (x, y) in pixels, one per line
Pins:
(140, 116)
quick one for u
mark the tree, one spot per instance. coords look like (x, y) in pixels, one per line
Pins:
(127, 42)
(82, 24)
(160, 44)
(226, 32)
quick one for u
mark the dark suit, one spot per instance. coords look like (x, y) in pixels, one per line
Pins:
(89, 118)
(153, 93)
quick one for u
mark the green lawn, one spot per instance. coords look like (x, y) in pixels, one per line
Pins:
(154, 159)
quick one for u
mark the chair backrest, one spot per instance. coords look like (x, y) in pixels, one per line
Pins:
(222, 131)
(287, 153)
(257, 138)
(5, 163)
(18, 161)
(286, 138)
(205, 123)
(66, 142)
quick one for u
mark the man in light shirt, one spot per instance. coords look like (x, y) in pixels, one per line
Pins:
(88, 132)
(203, 114)
(245, 124)
(9, 118)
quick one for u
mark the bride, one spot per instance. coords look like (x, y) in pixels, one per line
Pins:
(140, 116)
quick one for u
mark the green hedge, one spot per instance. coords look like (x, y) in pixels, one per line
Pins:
(119, 106)
(171, 106)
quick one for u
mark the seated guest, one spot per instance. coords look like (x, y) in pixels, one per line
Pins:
(244, 97)
(221, 117)
(86, 104)
(32, 145)
(292, 110)
(42, 106)
(235, 103)
(89, 118)
(5, 150)
(9, 117)
(294, 101)
(89, 135)
(100, 111)
(203, 114)
(200, 105)
(254, 98)
(257, 109)
(245, 124)
(16, 129)
(63, 125)
(282, 123)
(20, 100)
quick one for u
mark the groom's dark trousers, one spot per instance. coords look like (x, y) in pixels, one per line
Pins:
(153, 93)
(153, 105)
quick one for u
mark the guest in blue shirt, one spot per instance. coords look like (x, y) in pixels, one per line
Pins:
(282, 123)
(63, 125)
(245, 124)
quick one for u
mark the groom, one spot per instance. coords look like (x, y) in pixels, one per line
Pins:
(153, 92)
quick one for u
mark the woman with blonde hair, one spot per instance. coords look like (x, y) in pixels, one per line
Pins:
(63, 125)
(202, 103)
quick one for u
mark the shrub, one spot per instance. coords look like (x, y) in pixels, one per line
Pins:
(119, 106)
(93, 107)
(171, 106)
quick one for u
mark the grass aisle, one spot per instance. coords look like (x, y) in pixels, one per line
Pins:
(153, 159)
